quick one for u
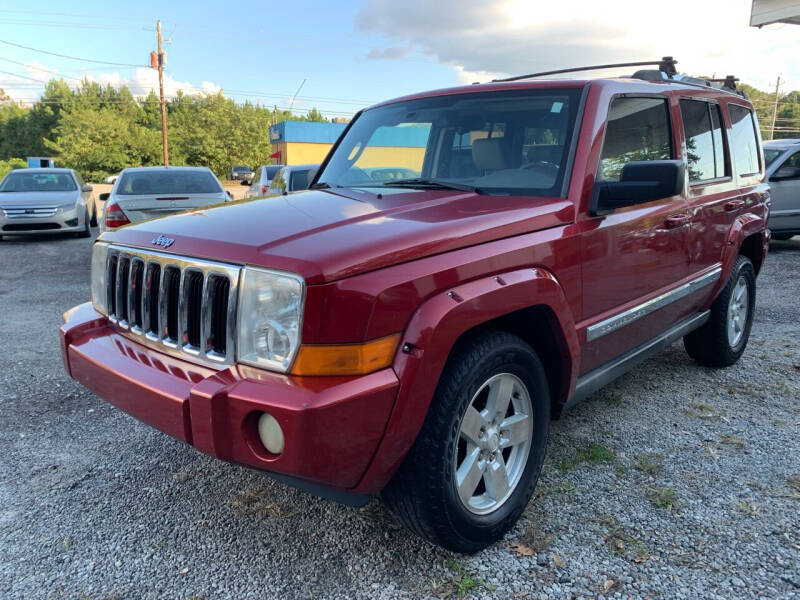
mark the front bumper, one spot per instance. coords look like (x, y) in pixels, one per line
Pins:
(63, 221)
(332, 425)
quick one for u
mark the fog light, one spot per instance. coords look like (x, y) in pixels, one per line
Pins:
(270, 433)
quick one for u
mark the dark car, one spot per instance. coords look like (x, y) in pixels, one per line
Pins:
(783, 174)
(414, 337)
(240, 173)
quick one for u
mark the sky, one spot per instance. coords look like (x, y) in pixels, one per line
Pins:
(348, 54)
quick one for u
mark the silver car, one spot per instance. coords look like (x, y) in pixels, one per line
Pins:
(45, 200)
(782, 159)
(292, 178)
(261, 180)
(144, 193)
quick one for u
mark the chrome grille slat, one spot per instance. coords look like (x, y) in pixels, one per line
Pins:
(154, 291)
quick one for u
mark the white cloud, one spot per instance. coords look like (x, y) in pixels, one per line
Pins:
(482, 39)
(145, 79)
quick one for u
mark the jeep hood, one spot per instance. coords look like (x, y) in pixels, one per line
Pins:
(324, 235)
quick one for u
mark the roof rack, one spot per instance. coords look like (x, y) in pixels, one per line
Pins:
(666, 72)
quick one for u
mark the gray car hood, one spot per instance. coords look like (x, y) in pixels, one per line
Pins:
(37, 198)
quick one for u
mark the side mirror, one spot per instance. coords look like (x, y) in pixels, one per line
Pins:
(230, 196)
(786, 173)
(641, 181)
(86, 188)
(104, 196)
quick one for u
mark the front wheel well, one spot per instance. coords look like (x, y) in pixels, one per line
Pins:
(538, 327)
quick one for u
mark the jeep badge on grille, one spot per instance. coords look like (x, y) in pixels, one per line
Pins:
(163, 241)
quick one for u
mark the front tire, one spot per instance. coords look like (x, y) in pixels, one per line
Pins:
(723, 339)
(87, 231)
(474, 465)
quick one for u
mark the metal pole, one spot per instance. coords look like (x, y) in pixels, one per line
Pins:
(161, 92)
(774, 110)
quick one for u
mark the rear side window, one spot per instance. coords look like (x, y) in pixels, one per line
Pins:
(298, 180)
(271, 171)
(744, 142)
(705, 149)
(637, 129)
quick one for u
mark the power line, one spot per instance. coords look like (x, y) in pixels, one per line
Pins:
(16, 62)
(73, 15)
(102, 62)
(71, 25)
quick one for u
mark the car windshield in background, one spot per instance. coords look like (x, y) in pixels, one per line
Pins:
(770, 154)
(241, 169)
(38, 182)
(167, 182)
(500, 143)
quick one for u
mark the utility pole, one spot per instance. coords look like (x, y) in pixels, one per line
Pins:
(774, 109)
(161, 92)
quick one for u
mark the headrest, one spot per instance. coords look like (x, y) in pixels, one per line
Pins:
(487, 154)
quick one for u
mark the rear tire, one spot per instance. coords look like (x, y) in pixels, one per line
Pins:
(723, 339)
(475, 463)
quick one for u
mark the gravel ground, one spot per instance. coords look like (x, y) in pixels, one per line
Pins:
(674, 482)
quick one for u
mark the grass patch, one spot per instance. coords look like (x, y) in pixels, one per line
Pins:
(461, 583)
(748, 507)
(732, 440)
(793, 481)
(260, 501)
(535, 540)
(703, 410)
(622, 543)
(651, 464)
(562, 488)
(594, 454)
(663, 497)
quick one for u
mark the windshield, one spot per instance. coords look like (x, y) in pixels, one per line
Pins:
(20, 181)
(770, 154)
(167, 182)
(241, 169)
(513, 142)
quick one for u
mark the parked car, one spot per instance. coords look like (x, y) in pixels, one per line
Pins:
(111, 179)
(782, 158)
(291, 178)
(413, 338)
(144, 193)
(240, 172)
(46, 200)
(261, 180)
(390, 173)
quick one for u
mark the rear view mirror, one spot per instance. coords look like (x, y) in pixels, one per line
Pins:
(641, 181)
(786, 173)
(86, 188)
(104, 196)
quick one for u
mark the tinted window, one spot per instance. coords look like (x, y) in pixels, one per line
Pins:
(771, 154)
(705, 149)
(20, 181)
(241, 169)
(743, 140)
(271, 171)
(298, 180)
(168, 182)
(792, 161)
(637, 129)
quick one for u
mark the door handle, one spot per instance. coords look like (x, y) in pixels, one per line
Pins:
(676, 221)
(733, 205)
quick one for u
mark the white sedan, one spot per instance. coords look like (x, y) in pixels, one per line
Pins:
(144, 193)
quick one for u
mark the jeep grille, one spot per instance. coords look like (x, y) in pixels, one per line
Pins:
(183, 306)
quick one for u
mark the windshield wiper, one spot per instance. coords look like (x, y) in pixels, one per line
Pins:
(320, 185)
(434, 183)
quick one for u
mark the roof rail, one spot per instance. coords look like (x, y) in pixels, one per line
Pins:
(666, 65)
(666, 72)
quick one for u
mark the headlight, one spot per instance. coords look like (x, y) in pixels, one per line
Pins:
(270, 314)
(99, 272)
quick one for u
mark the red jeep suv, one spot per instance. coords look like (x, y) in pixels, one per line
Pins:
(414, 335)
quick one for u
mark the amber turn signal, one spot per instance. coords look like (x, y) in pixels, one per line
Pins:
(346, 359)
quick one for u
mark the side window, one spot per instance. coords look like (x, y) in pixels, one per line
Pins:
(705, 149)
(744, 143)
(637, 129)
(256, 179)
(298, 180)
(278, 184)
(792, 161)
